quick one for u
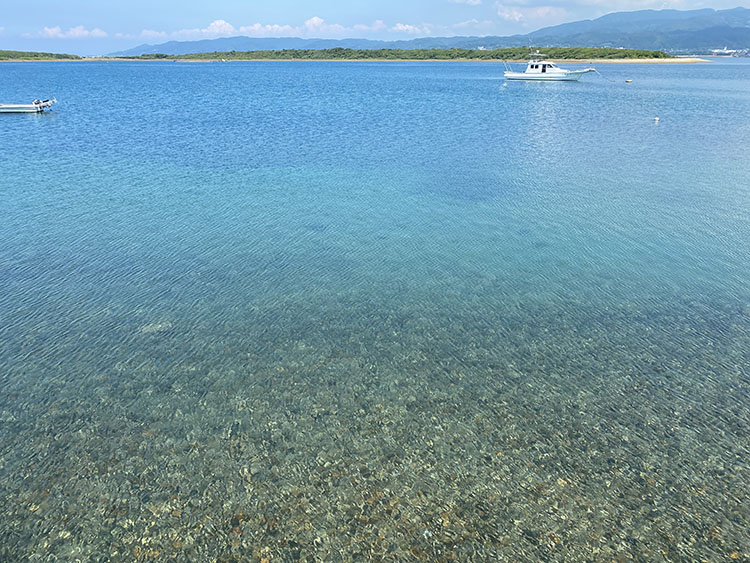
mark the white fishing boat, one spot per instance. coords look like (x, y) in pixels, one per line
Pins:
(540, 69)
(37, 106)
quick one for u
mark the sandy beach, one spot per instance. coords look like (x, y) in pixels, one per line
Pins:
(676, 60)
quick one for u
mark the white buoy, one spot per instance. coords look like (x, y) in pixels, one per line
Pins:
(656, 119)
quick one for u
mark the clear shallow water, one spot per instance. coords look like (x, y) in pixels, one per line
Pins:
(339, 311)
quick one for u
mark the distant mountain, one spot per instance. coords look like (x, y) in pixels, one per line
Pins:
(670, 30)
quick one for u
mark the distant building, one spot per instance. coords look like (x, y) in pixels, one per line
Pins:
(725, 52)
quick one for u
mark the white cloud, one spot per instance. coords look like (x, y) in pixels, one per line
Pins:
(316, 25)
(519, 11)
(217, 28)
(377, 25)
(313, 27)
(411, 29)
(546, 13)
(627, 5)
(272, 30)
(473, 24)
(510, 13)
(78, 32)
(469, 2)
(146, 34)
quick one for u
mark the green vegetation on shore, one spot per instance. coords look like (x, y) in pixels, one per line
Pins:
(512, 53)
(340, 54)
(30, 56)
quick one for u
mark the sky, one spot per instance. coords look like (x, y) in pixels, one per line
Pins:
(95, 27)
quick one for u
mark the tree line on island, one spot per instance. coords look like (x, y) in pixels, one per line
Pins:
(339, 53)
(511, 53)
(32, 56)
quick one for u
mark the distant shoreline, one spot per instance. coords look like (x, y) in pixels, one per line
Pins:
(585, 55)
(675, 60)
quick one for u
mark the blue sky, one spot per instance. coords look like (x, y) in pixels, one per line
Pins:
(91, 27)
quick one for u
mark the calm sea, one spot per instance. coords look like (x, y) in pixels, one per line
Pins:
(337, 311)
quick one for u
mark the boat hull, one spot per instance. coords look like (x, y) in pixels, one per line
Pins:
(37, 107)
(571, 76)
(12, 108)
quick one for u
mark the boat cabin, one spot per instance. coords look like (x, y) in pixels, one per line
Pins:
(541, 67)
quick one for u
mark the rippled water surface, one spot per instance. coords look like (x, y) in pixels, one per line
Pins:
(374, 311)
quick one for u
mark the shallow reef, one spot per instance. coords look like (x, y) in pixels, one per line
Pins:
(361, 428)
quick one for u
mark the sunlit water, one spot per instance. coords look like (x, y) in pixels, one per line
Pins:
(402, 311)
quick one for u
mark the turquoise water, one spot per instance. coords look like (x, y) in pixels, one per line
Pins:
(381, 311)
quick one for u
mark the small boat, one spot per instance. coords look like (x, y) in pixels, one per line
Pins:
(540, 69)
(37, 106)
